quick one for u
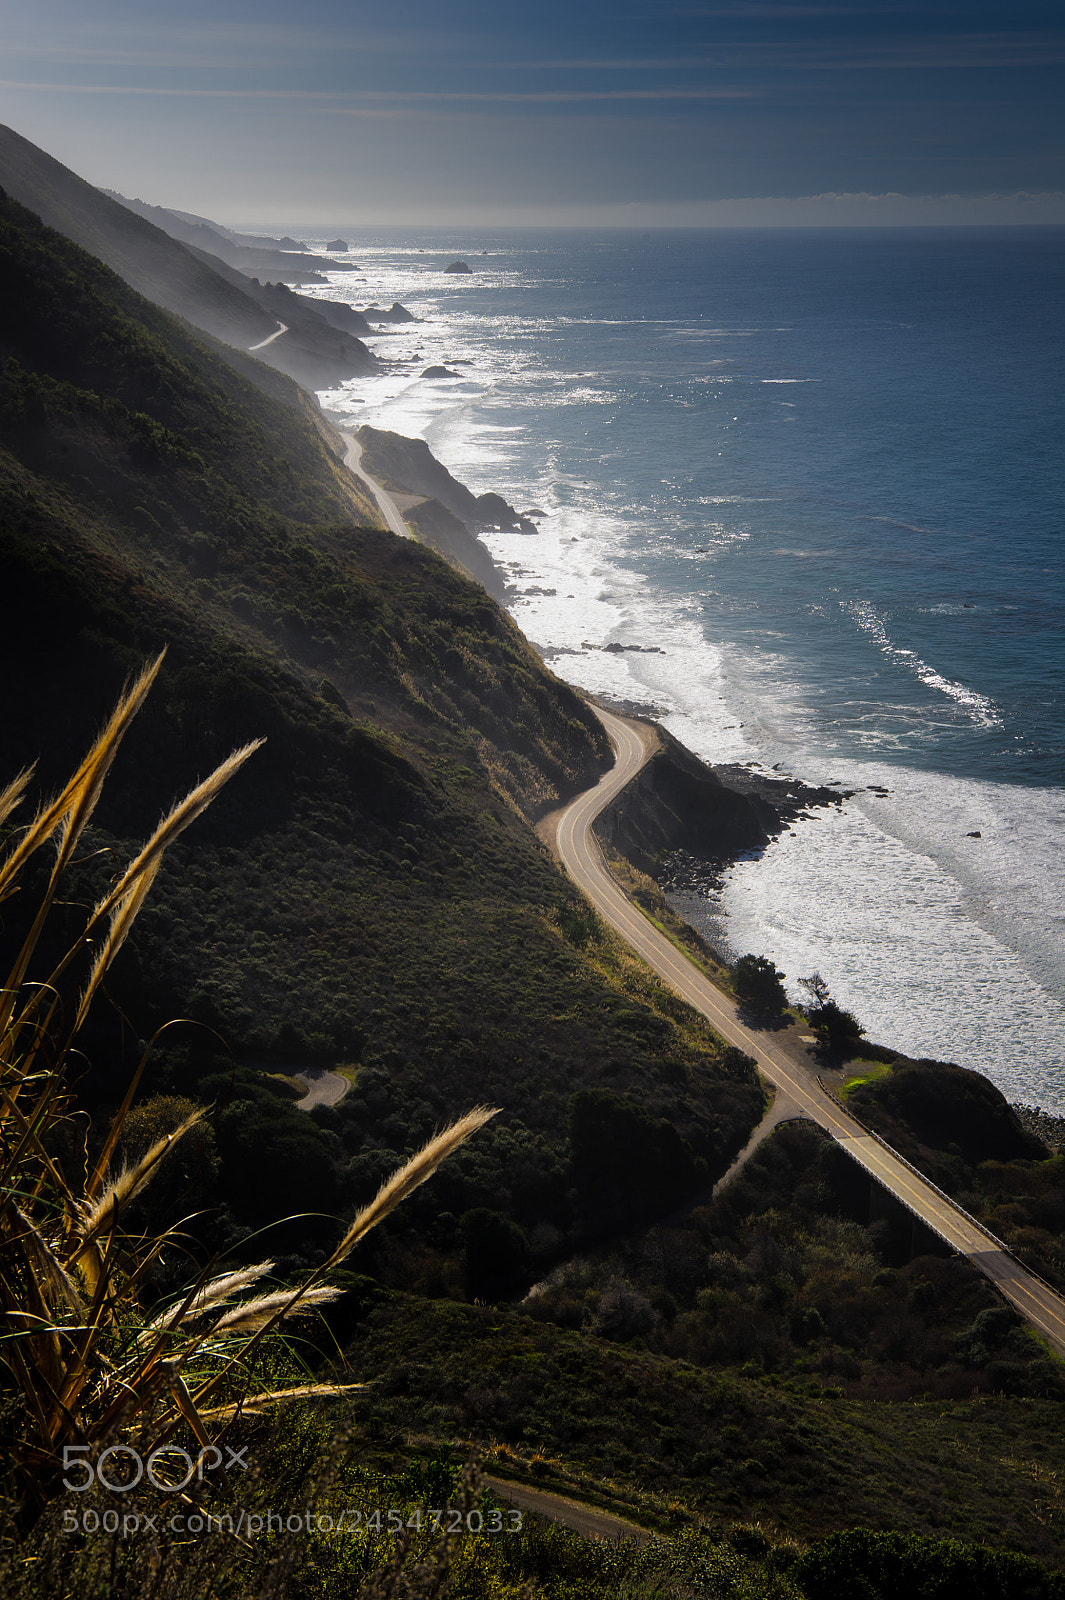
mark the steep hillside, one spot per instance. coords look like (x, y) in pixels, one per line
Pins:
(256, 257)
(409, 465)
(370, 893)
(163, 270)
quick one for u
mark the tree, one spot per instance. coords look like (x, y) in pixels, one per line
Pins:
(863, 1564)
(840, 1030)
(815, 987)
(497, 1253)
(619, 1148)
(759, 986)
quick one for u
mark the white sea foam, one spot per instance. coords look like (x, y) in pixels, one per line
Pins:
(871, 621)
(884, 921)
(942, 943)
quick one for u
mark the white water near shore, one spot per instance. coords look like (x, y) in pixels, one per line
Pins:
(943, 944)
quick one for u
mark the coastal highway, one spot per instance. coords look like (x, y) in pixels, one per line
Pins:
(282, 327)
(387, 506)
(634, 743)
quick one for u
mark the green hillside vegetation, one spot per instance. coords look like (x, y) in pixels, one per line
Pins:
(119, 380)
(671, 1443)
(530, 1556)
(958, 1128)
(780, 1362)
(373, 896)
(801, 1268)
(187, 283)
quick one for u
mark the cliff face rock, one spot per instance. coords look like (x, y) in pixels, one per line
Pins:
(448, 517)
(680, 803)
(449, 536)
(408, 465)
(396, 313)
(338, 315)
(495, 512)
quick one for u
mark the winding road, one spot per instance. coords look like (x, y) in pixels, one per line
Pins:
(282, 327)
(324, 1088)
(386, 505)
(798, 1092)
(579, 851)
(591, 1522)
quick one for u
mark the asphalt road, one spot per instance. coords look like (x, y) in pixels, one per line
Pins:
(324, 1088)
(282, 327)
(589, 1521)
(388, 508)
(582, 858)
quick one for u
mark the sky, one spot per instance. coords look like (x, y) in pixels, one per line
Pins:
(568, 112)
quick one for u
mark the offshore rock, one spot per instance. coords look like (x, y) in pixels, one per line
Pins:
(397, 313)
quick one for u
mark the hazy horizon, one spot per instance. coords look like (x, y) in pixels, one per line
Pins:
(727, 113)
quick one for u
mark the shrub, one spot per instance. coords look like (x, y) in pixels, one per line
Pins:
(759, 986)
(84, 1363)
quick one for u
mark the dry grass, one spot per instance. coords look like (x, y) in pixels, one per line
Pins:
(87, 1365)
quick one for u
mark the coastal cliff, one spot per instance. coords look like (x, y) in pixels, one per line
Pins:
(373, 894)
(680, 803)
(433, 524)
(409, 466)
(369, 896)
(183, 278)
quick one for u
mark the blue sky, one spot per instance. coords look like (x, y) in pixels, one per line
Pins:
(465, 112)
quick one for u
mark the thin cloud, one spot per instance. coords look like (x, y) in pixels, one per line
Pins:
(156, 43)
(425, 96)
(406, 96)
(846, 55)
(758, 8)
(208, 94)
(939, 50)
(866, 196)
(555, 96)
(630, 64)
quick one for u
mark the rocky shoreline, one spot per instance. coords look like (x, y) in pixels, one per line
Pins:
(686, 872)
(1043, 1124)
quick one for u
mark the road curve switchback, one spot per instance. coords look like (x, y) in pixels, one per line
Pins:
(579, 851)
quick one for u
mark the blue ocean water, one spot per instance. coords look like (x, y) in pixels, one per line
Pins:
(816, 477)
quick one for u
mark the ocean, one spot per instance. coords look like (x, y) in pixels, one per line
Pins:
(811, 483)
